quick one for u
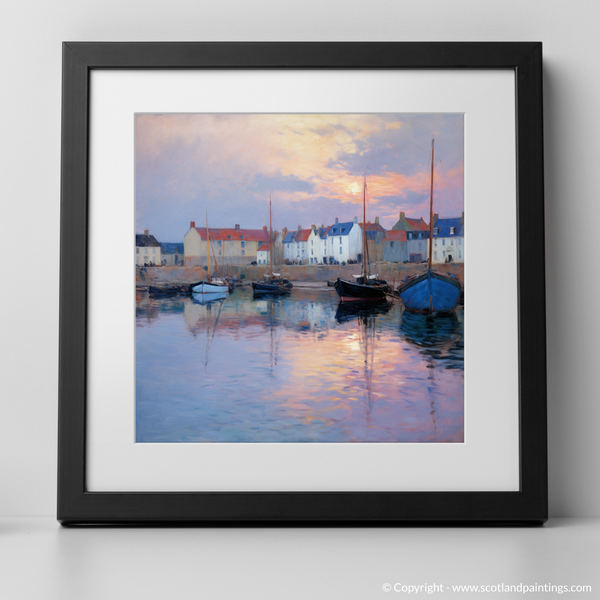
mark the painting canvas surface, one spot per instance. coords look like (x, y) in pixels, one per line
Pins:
(311, 205)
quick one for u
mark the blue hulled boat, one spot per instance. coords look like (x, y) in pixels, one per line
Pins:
(430, 293)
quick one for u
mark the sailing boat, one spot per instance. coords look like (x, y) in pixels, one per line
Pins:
(365, 288)
(210, 286)
(272, 283)
(430, 293)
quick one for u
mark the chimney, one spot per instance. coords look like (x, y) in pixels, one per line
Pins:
(265, 228)
(284, 232)
(299, 227)
(146, 232)
(313, 227)
(462, 218)
(435, 219)
(237, 227)
(337, 220)
(355, 220)
(402, 217)
(192, 224)
(376, 220)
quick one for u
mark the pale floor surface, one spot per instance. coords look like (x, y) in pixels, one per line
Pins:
(41, 560)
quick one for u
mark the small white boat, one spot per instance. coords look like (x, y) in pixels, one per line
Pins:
(213, 287)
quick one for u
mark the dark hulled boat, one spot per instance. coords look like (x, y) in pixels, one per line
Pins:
(272, 286)
(430, 293)
(365, 288)
(358, 291)
(272, 283)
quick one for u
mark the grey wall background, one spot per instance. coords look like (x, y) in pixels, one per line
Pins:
(30, 97)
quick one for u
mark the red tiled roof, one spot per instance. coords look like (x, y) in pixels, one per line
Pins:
(418, 224)
(250, 235)
(264, 248)
(400, 236)
(372, 227)
(302, 236)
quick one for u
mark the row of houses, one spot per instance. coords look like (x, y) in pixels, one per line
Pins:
(149, 252)
(407, 241)
(340, 243)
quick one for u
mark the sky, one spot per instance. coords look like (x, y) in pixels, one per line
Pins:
(313, 166)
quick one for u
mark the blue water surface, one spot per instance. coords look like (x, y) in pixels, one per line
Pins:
(300, 368)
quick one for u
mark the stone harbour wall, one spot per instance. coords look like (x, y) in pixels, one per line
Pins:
(393, 272)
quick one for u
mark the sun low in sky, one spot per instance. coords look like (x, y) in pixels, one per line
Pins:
(311, 164)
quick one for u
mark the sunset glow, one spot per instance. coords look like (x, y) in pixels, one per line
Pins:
(312, 165)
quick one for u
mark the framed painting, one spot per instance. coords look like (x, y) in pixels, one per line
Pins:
(264, 260)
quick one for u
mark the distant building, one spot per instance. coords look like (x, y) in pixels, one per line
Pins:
(395, 247)
(295, 246)
(289, 246)
(449, 240)
(375, 237)
(317, 245)
(405, 224)
(228, 246)
(417, 246)
(344, 242)
(263, 254)
(147, 250)
(172, 254)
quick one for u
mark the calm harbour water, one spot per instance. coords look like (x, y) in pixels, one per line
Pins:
(301, 368)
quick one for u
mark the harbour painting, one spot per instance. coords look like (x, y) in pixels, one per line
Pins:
(299, 278)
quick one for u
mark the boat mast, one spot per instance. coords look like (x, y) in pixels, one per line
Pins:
(431, 209)
(430, 231)
(270, 238)
(207, 246)
(364, 233)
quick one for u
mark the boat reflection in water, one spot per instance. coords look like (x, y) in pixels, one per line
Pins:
(360, 310)
(439, 337)
(207, 298)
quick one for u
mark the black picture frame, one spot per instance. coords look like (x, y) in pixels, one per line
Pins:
(76, 505)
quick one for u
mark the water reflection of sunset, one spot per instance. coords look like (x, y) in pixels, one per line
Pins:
(289, 370)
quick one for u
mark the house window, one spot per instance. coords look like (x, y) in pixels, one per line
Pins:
(391, 244)
(312, 242)
(460, 241)
(340, 249)
(137, 250)
(451, 230)
(153, 250)
(420, 237)
(340, 240)
(459, 254)
(243, 252)
(435, 231)
(410, 236)
(451, 242)
(241, 237)
(242, 244)
(312, 251)
(435, 242)
(435, 255)
(219, 253)
(219, 243)
(420, 245)
(228, 237)
(443, 242)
